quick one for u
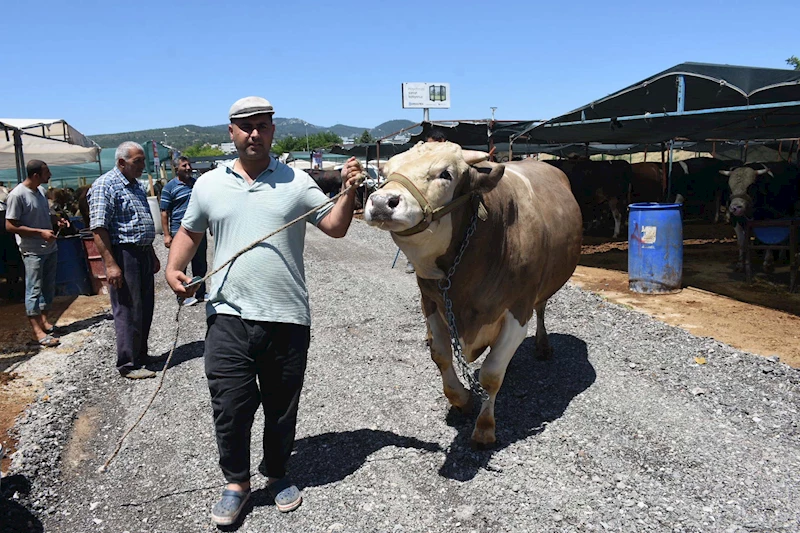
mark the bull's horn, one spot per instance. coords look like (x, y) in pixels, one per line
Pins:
(473, 157)
(762, 171)
(725, 172)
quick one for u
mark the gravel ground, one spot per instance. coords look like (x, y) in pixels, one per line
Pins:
(623, 430)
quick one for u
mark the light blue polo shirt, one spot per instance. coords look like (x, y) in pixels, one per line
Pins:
(266, 283)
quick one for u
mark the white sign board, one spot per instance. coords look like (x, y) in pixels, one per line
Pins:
(426, 95)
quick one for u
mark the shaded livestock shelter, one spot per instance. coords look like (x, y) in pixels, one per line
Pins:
(688, 102)
(51, 140)
(472, 134)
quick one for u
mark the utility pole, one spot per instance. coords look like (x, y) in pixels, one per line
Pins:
(493, 110)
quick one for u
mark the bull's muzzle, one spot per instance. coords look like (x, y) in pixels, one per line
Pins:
(383, 204)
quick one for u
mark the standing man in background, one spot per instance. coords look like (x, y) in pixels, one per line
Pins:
(28, 216)
(174, 201)
(258, 311)
(123, 227)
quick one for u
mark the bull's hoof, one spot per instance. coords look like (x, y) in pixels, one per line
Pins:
(466, 409)
(543, 353)
(482, 446)
(769, 268)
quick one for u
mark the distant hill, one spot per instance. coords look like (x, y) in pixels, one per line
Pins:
(393, 126)
(182, 137)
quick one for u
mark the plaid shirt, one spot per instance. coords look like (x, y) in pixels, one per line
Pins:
(121, 208)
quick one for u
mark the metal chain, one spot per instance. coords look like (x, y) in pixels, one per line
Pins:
(444, 286)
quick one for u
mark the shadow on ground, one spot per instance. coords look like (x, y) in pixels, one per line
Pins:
(14, 517)
(330, 457)
(534, 393)
(710, 254)
(185, 352)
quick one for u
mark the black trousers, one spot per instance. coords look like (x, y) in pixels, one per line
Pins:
(132, 304)
(250, 363)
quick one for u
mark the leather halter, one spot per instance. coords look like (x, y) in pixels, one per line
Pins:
(429, 214)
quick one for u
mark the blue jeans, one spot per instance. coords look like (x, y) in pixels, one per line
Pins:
(40, 282)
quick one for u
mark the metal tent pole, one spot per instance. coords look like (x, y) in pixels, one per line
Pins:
(669, 174)
(19, 156)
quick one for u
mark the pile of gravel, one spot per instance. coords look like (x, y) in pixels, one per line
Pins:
(632, 426)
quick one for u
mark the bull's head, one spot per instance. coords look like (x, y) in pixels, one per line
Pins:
(740, 181)
(424, 179)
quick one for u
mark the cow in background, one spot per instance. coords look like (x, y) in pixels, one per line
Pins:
(697, 184)
(83, 204)
(761, 191)
(330, 181)
(601, 188)
(647, 183)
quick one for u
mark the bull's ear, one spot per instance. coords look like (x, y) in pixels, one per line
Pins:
(484, 178)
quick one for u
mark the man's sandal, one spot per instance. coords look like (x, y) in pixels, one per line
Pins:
(226, 511)
(48, 341)
(287, 496)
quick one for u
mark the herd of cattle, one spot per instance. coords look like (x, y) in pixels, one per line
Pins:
(705, 186)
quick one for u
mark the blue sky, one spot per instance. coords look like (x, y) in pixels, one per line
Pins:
(109, 67)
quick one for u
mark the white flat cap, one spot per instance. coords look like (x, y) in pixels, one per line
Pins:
(249, 106)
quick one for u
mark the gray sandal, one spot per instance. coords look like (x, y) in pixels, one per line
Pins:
(226, 511)
(287, 496)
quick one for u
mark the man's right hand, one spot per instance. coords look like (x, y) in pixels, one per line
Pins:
(114, 276)
(176, 279)
(167, 240)
(48, 235)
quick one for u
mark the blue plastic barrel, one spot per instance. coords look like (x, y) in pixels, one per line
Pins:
(72, 274)
(655, 248)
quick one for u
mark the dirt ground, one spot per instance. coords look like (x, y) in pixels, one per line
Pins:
(761, 317)
(716, 301)
(21, 374)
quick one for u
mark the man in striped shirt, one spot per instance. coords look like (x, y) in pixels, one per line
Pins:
(174, 200)
(119, 216)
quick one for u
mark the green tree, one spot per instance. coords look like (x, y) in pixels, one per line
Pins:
(289, 144)
(312, 142)
(366, 138)
(794, 61)
(202, 149)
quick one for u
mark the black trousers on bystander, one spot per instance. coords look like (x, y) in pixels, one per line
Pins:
(132, 304)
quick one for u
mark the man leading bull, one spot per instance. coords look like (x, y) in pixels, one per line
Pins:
(258, 312)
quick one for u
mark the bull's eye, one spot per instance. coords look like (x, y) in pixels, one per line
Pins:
(445, 175)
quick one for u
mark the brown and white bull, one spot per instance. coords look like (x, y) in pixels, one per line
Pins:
(525, 246)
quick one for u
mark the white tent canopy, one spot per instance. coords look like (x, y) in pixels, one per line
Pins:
(52, 140)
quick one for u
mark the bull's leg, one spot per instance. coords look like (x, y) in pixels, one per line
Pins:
(543, 349)
(740, 236)
(442, 355)
(717, 204)
(612, 204)
(769, 261)
(493, 370)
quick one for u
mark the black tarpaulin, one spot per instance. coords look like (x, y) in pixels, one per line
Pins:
(691, 101)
